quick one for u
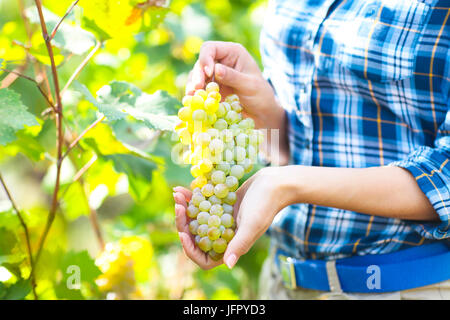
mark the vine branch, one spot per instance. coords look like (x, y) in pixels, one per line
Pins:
(81, 67)
(55, 29)
(59, 137)
(25, 229)
(21, 75)
(75, 142)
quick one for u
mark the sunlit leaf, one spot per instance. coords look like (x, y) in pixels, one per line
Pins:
(16, 291)
(119, 99)
(74, 202)
(13, 116)
(138, 171)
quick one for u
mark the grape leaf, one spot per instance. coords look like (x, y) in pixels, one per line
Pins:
(119, 99)
(16, 291)
(8, 241)
(88, 270)
(13, 116)
(74, 202)
(138, 171)
(69, 37)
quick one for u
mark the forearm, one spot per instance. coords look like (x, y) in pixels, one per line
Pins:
(381, 191)
(275, 146)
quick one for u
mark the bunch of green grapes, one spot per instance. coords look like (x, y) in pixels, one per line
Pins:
(221, 146)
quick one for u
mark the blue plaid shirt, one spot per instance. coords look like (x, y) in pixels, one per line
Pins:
(364, 83)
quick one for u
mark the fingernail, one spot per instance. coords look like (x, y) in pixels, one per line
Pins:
(207, 71)
(231, 261)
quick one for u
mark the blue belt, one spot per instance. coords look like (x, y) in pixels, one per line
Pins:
(405, 269)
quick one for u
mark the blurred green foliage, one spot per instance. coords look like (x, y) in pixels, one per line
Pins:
(129, 178)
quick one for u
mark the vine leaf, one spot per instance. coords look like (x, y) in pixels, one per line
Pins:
(69, 37)
(69, 265)
(121, 99)
(13, 116)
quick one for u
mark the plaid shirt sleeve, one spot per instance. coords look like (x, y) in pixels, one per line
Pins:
(431, 169)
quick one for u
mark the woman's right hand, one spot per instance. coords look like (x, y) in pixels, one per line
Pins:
(236, 72)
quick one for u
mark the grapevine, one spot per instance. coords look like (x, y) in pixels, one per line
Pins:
(221, 147)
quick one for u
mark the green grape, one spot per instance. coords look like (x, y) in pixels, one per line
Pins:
(239, 154)
(208, 190)
(196, 190)
(220, 124)
(203, 217)
(235, 129)
(230, 198)
(197, 198)
(213, 133)
(253, 138)
(237, 171)
(221, 111)
(227, 208)
(218, 177)
(225, 167)
(215, 200)
(230, 145)
(214, 233)
(232, 183)
(199, 115)
(219, 245)
(193, 226)
(212, 86)
(205, 244)
(252, 153)
(216, 146)
(228, 234)
(214, 255)
(205, 205)
(202, 230)
(227, 220)
(222, 229)
(236, 106)
(231, 117)
(226, 135)
(202, 138)
(192, 211)
(228, 156)
(197, 239)
(185, 114)
(221, 190)
(227, 107)
(241, 140)
(214, 221)
(216, 209)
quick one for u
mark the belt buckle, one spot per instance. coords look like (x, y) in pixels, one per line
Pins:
(287, 271)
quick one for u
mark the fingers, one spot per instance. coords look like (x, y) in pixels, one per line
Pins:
(232, 78)
(196, 79)
(195, 254)
(239, 245)
(185, 192)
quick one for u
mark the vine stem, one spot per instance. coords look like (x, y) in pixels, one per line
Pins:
(75, 142)
(60, 21)
(25, 229)
(21, 75)
(59, 136)
(81, 66)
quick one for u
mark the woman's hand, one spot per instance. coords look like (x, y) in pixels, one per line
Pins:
(203, 260)
(237, 72)
(259, 199)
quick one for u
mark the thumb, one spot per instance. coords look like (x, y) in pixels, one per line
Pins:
(231, 77)
(238, 246)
